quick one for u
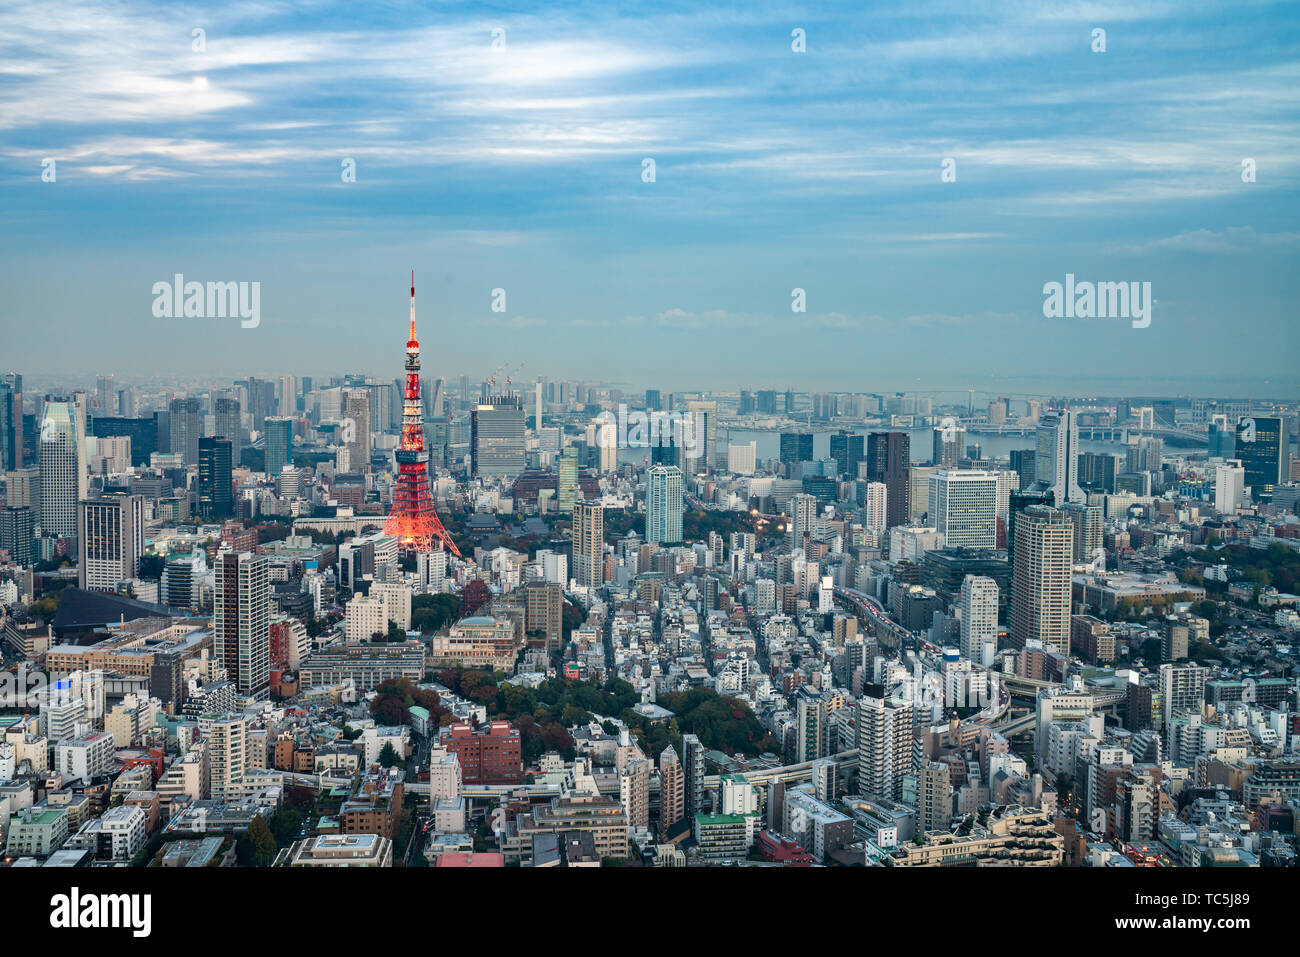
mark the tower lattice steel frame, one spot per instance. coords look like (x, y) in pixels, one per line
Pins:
(413, 519)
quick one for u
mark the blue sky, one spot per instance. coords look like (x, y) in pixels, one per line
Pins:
(521, 168)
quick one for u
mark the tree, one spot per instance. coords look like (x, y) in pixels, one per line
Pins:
(257, 847)
(395, 632)
(286, 825)
(388, 756)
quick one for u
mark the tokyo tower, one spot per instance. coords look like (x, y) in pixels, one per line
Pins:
(412, 519)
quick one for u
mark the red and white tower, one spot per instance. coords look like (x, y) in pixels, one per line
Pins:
(412, 519)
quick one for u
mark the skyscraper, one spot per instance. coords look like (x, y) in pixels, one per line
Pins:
(663, 505)
(796, 447)
(356, 428)
(17, 532)
(589, 544)
(888, 459)
(1023, 462)
(963, 507)
(279, 444)
(1056, 465)
(11, 421)
(59, 453)
(847, 449)
(1264, 450)
(241, 620)
(949, 445)
(185, 423)
(1040, 579)
(105, 396)
(567, 490)
(701, 453)
(225, 413)
(978, 606)
(110, 541)
(497, 437)
(215, 492)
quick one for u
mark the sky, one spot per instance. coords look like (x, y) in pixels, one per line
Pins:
(504, 147)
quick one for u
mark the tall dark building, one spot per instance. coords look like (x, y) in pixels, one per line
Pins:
(186, 422)
(1264, 449)
(279, 445)
(653, 400)
(17, 532)
(1097, 472)
(11, 421)
(767, 401)
(747, 403)
(1018, 502)
(889, 461)
(143, 433)
(848, 449)
(1023, 462)
(796, 447)
(789, 403)
(215, 497)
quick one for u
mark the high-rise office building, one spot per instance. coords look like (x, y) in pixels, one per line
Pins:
(1264, 450)
(110, 541)
(186, 428)
(105, 396)
(60, 455)
(1040, 579)
(226, 424)
(1056, 465)
(978, 606)
(1097, 471)
(1024, 462)
(949, 445)
(796, 447)
(701, 452)
(497, 437)
(17, 532)
(11, 421)
(964, 506)
(356, 428)
(663, 505)
(23, 487)
(884, 743)
(279, 444)
(241, 621)
(847, 449)
(215, 478)
(589, 544)
(888, 460)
